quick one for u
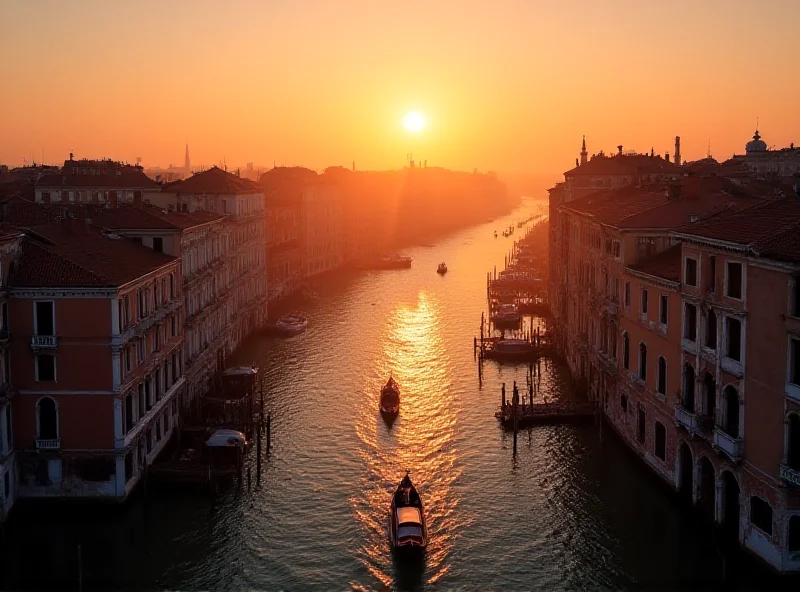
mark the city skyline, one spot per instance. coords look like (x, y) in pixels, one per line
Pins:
(500, 89)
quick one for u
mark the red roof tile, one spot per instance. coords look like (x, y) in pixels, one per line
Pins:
(612, 206)
(625, 165)
(665, 265)
(215, 181)
(104, 174)
(56, 256)
(152, 218)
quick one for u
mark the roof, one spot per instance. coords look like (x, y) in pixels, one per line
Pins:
(214, 180)
(625, 164)
(104, 174)
(67, 255)
(612, 206)
(770, 228)
(665, 265)
(152, 218)
(409, 515)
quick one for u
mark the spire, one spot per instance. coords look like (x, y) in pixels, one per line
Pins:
(186, 161)
(584, 154)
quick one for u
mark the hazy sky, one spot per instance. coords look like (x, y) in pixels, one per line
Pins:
(506, 85)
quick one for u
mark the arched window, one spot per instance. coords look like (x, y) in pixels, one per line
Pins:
(626, 351)
(661, 385)
(688, 387)
(731, 396)
(47, 419)
(642, 361)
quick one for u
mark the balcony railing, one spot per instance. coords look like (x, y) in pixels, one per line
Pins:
(44, 341)
(728, 444)
(686, 418)
(790, 475)
(48, 444)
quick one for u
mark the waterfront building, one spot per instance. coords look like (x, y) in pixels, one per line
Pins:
(242, 204)
(93, 181)
(9, 247)
(782, 162)
(200, 240)
(322, 228)
(96, 353)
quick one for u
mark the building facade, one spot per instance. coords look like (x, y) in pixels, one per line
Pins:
(322, 229)
(284, 241)
(97, 364)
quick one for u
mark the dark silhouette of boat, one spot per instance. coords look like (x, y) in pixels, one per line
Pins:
(409, 530)
(442, 269)
(390, 399)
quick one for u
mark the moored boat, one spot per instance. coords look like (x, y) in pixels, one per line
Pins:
(442, 269)
(390, 398)
(291, 324)
(408, 528)
(393, 262)
(507, 314)
(511, 350)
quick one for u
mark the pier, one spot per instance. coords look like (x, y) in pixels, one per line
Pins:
(523, 412)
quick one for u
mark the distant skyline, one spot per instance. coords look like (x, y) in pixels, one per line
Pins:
(510, 86)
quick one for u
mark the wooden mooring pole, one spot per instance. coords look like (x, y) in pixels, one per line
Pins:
(516, 415)
(258, 456)
(269, 432)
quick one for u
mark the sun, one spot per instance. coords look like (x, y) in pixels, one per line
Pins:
(414, 121)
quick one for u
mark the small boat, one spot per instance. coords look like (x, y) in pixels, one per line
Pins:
(511, 350)
(495, 234)
(442, 269)
(390, 398)
(408, 517)
(393, 262)
(291, 324)
(507, 314)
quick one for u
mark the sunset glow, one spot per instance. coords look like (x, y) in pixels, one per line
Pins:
(414, 121)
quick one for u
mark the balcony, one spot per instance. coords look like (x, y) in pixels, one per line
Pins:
(686, 418)
(53, 444)
(790, 475)
(728, 444)
(43, 342)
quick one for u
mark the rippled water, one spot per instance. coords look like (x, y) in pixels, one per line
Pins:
(568, 512)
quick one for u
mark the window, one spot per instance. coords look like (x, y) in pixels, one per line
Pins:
(6, 485)
(794, 361)
(623, 402)
(733, 286)
(615, 292)
(47, 419)
(761, 515)
(661, 441)
(662, 309)
(129, 412)
(141, 399)
(158, 430)
(140, 310)
(711, 330)
(158, 244)
(149, 440)
(661, 385)
(627, 294)
(626, 351)
(166, 422)
(690, 272)
(644, 302)
(690, 322)
(642, 361)
(44, 318)
(734, 331)
(641, 426)
(712, 273)
(128, 466)
(171, 286)
(616, 249)
(45, 368)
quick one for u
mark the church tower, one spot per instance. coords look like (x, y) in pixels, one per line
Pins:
(186, 161)
(584, 154)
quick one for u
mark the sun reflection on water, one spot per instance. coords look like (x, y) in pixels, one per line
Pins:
(420, 440)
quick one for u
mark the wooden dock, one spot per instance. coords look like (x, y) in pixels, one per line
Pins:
(523, 412)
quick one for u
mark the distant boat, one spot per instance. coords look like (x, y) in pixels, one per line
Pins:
(442, 269)
(393, 262)
(408, 518)
(390, 399)
(495, 234)
(291, 324)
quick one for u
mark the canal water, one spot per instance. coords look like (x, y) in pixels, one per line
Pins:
(572, 510)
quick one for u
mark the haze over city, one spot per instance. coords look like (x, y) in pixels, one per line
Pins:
(509, 86)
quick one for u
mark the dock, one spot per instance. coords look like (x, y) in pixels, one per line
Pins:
(525, 412)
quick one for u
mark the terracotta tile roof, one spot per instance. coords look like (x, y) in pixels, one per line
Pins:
(770, 229)
(55, 256)
(28, 214)
(215, 181)
(625, 165)
(612, 206)
(15, 188)
(665, 265)
(152, 218)
(105, 174)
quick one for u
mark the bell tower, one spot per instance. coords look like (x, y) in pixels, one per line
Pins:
(584, 154)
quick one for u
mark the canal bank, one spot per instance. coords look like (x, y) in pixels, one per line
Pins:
(569, 512)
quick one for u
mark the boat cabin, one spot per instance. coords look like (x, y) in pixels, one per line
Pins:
(409, 526)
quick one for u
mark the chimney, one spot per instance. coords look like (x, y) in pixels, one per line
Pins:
(70, 155)
(137, 199)
(678, 150)
(666, 156)
(619, 150)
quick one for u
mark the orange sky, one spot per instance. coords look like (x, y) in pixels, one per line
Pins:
(505, 85)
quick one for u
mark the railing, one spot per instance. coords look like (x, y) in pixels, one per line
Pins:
(728, 444)
(48, 444)
(686, 418)
(790, 475)
(44, 341)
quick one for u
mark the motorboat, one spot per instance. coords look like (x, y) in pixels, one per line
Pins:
(495, 234)
(511, 349)
(390, 398)
(442, 269)
(394, 262)
(507, 314)
(291, 324)
(408, 518)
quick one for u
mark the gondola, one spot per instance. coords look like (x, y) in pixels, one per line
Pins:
(442, 269)
(390, 399)
(409, 530)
